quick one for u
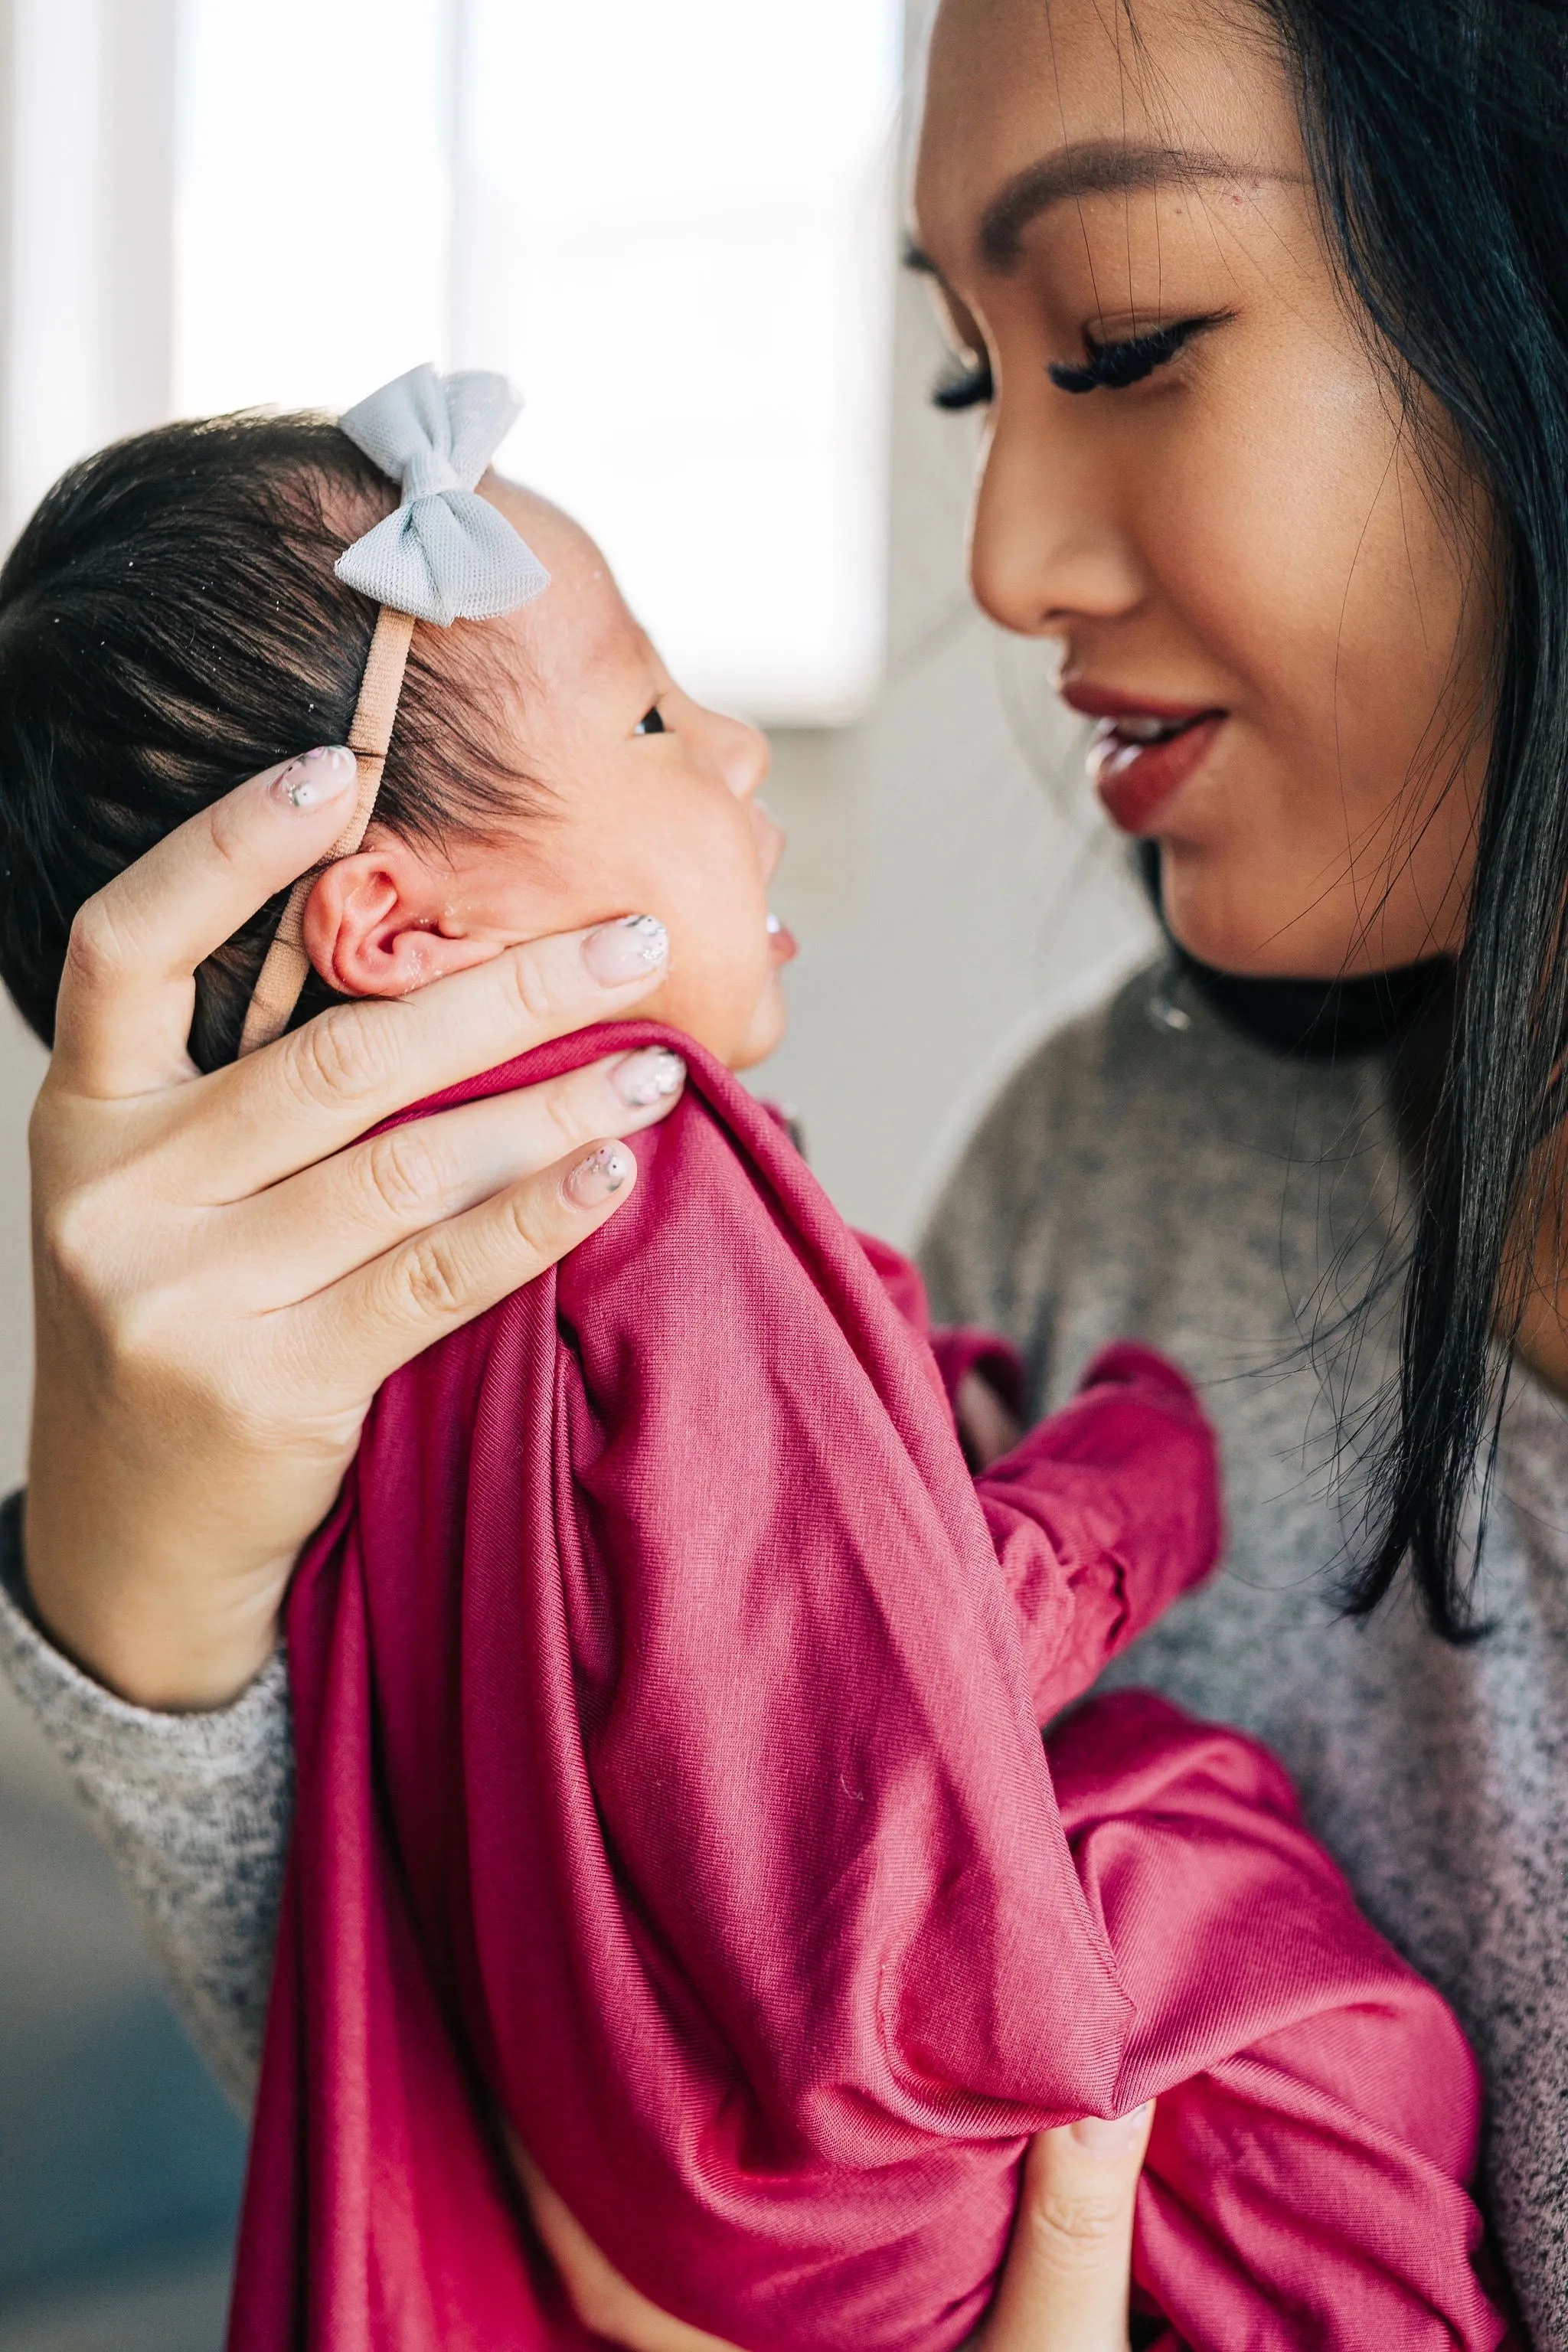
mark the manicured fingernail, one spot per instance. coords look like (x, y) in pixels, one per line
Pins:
(599, 1178)
(633, 949)
(316, 776)
(649, 1077)
(1110, 2136)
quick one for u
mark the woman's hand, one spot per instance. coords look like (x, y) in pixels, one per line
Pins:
(1068, 2272)
(225, 1274)
(1063, 2288)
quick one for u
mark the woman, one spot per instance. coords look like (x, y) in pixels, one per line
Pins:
(1267, 303)
(1301, 544)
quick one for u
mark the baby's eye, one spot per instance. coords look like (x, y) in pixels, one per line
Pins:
(650, 723)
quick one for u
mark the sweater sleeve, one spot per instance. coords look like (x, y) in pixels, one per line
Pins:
(195, 1809)
(1103, 1515)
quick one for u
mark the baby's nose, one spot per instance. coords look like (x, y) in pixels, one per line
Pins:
(745, 758)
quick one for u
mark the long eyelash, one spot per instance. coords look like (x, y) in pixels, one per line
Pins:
(1112, 367)
(971, 387)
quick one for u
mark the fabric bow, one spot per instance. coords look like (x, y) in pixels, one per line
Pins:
(447, 554)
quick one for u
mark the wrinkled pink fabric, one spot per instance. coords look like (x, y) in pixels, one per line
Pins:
(667, 1703)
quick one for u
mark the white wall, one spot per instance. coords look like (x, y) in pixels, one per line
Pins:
(87, 98)
(87, 88)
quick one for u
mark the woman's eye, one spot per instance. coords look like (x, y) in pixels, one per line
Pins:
(1112, 367)
(650, 723)
(964, 387)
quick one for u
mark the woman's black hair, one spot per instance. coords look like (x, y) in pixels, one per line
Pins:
(169, 624)
(1437, 134)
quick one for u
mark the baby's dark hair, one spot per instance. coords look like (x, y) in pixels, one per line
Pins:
(168, 623)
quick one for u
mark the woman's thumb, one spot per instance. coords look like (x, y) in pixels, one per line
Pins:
(1067, 2276)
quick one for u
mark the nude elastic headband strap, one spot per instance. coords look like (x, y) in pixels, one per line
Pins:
(287, 968)
(443, 554)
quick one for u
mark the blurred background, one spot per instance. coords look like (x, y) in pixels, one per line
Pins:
(676, 223)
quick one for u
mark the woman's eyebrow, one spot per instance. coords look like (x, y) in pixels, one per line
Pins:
(1091, 167)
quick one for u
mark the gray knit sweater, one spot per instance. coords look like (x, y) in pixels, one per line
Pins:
(1228, 1203)
(1176, 1182)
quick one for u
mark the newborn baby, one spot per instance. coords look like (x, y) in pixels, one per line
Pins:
(674, 1829)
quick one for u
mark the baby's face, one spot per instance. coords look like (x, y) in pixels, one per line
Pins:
(649, 807)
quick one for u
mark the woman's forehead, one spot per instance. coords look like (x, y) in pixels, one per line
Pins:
(1052, 90)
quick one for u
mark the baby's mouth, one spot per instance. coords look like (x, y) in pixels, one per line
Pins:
(781, 945)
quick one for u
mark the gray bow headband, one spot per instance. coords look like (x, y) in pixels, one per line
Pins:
(446, 555)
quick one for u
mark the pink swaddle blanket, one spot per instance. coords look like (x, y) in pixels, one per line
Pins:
(670, 1782)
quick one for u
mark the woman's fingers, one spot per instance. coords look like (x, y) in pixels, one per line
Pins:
(127, 992)
(1068, 2277)
(343, 1211)
(361, 1329)
(322, 1086)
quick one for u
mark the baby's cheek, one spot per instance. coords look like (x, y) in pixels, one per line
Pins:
(697, 870)
(719, 972)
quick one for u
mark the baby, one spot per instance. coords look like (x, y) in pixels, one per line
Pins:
(673, 1828)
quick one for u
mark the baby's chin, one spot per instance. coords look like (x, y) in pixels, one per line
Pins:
(764, 1031)
(716, 1021)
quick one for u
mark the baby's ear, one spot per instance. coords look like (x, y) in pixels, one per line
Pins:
(373, 925)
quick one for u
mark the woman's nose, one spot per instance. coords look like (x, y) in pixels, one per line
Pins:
(1045, 548)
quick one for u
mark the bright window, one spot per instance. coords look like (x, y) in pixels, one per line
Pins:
(670, 224)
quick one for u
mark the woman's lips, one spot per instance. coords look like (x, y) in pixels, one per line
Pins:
(781, 945)
(1136, 769)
